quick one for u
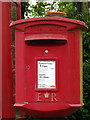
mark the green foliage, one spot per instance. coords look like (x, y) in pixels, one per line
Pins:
(41, 8)
(86, 44)
(24, 9)
(13, 14)
(70, 8)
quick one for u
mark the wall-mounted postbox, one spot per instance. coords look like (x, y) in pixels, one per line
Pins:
(48, 55)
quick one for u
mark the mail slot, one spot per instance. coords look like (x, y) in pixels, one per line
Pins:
(48, 66)
(46, 39)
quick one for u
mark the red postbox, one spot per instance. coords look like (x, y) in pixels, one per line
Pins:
(48, 55)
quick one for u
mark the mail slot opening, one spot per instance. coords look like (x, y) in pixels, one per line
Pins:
(35, 42)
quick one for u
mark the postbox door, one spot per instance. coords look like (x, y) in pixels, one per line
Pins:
(49, 61)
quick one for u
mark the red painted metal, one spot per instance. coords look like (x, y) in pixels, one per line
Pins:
(21, 24)
(18, 7)
(6, 61)
(45, 37)
(0, 62)
(6, 87)
(18, 13)
(19, 10)
(66, 97)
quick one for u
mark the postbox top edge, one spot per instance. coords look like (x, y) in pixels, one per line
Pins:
(24, 21)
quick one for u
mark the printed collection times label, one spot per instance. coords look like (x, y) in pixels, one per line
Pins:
(46, 74)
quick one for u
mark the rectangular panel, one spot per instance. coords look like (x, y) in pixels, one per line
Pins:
(46, 74)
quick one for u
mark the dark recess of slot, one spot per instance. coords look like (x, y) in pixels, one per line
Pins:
(43, 42)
